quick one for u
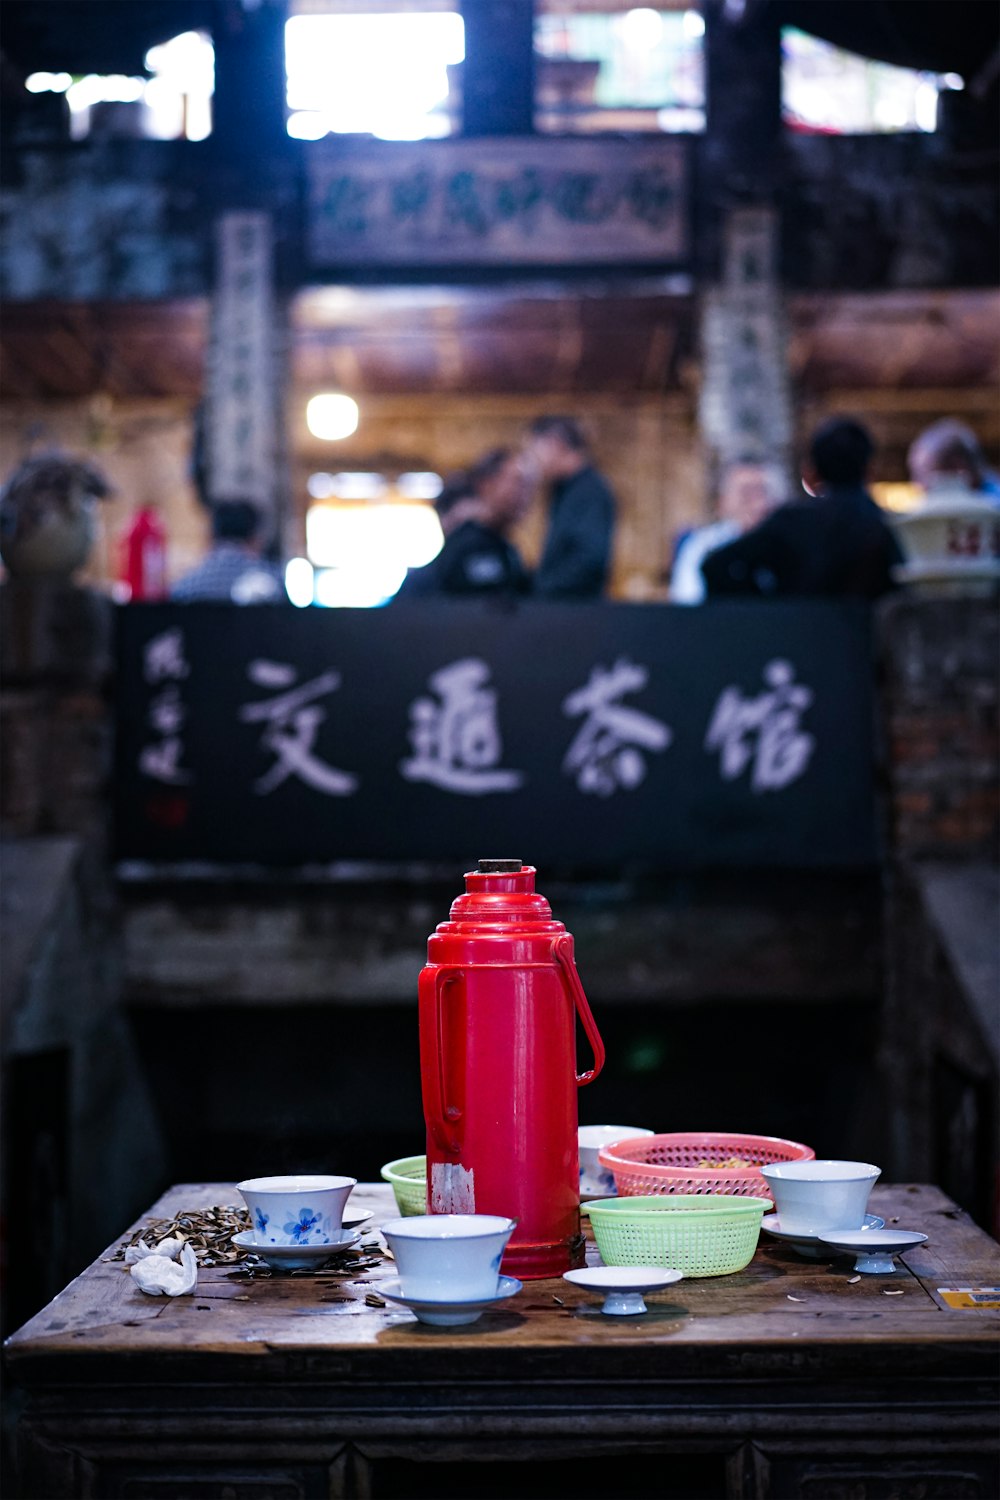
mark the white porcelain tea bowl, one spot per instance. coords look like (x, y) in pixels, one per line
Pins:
(448, 1257)
(813, 1196)
(595, 1180)
(297, 1209)
(623, 1286)
(877, 1249)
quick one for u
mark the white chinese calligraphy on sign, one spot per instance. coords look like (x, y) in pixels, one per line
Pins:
(163, 658)
(456, 741)
(165, 666)
(764, 730)
(606, 753)
(292, 721)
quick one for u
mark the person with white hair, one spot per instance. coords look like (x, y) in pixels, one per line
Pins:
(948, 453)
(748, 492)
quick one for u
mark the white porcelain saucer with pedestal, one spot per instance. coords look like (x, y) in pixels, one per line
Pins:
(876, 1247)
(811, 1246)
(623, 1286)
(297, 1257)
(442, 1314)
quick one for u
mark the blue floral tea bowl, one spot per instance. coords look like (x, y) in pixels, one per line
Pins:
(296, 1210)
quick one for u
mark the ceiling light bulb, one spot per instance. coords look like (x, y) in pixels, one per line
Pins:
(332, 417)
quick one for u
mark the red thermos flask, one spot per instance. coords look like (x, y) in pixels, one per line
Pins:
(499, 998)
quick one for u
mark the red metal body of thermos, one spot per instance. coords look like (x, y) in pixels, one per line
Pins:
(499, 998)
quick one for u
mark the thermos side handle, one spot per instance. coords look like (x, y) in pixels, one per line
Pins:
(439, 1115)
(562, 952)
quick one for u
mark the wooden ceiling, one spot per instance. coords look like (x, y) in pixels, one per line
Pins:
(596, 339)
(392, 341)
(895, 340)
(62, 350)
(482, 341)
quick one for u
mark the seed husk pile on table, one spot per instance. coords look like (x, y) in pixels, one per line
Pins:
(209, 1232)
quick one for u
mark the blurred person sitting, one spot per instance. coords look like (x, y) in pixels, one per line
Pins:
(746, 496)
(233, 569)
(948, 453)
(576, 557)
(477, 508)
(836, 543)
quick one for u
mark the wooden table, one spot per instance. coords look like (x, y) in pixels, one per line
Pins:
(792, 1378)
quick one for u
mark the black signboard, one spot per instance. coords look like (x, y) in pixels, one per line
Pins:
(597, 736)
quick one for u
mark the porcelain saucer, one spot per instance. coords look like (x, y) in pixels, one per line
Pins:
(875, 1248)
(296, 1257)
(622, 1286)
(351, 1221)
(447, 1314)
(811, 1246)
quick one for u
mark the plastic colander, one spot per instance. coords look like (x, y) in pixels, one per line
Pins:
(700, 1236)
(673, 1163)
(408, 1176)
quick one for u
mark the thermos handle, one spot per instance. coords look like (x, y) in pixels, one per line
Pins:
(562, 952)
(439, 1115)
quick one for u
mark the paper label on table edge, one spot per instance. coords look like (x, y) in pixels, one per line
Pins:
(967, 1298)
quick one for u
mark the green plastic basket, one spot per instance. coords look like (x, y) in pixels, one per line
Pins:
(701, 1236)
(408, 1176)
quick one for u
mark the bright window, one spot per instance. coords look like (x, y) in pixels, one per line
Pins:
(635, 68)
(829, 91)
(375, 71)
(174, 104)
(363, 536)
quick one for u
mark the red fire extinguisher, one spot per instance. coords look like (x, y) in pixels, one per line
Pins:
(144, 557)
(498, 1001)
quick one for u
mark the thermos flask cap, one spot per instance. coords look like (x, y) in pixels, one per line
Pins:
(499, 866)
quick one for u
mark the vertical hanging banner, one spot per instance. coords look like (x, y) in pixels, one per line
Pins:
(243, 373)
(746, 408)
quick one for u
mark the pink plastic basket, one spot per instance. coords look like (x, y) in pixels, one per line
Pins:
(671, 1163)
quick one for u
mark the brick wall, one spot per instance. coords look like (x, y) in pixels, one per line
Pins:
(56, 728)
(939, 658)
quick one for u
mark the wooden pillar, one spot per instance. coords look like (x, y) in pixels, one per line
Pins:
(742, 155)
(248, 108)
(746, 409)
(498, 74)
(243, 440)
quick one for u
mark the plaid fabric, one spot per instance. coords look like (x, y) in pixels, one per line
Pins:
(234, 575)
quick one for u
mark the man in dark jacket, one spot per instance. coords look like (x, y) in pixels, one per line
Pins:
(836, 543)
(576, 558)
(476, 509)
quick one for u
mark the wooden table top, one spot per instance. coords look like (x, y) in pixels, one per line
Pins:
(781, 1313)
